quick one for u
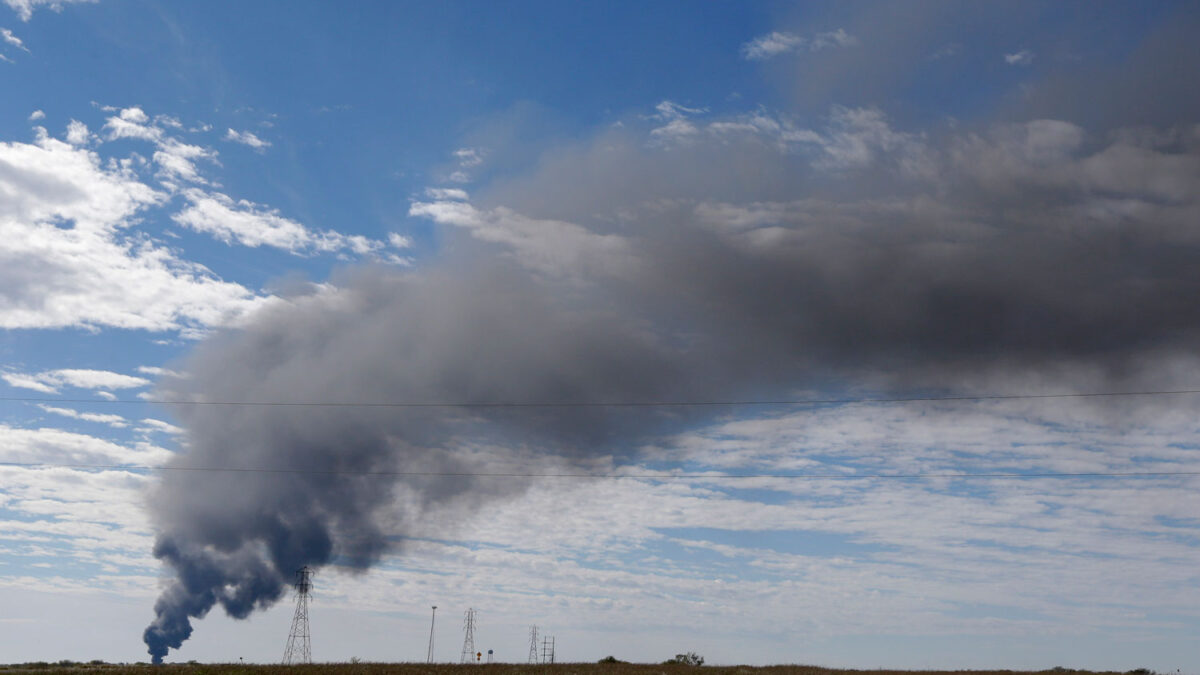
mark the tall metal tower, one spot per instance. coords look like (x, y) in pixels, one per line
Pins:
(548, 649)
(468, 650)
(533, 644)
(432, 619)
(299, 646)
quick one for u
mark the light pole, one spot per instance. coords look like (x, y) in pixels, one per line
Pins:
(432, 619)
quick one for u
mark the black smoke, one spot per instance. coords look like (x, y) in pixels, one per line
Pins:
(634, 267)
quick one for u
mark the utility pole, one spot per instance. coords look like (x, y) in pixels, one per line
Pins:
(299, 647)
(432, 619)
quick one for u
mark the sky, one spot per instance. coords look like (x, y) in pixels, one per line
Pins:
(852, 334)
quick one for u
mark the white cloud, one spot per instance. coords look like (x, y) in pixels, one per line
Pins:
(24, 8)
(158, 371)
(51, 380)
(66, 259)
(77, 133)
(36, 115)
(175, 159)
(54, 446)
(678, 128)
(772, 44)
(1021, 58)
(152, 424)
(13, 40)
(27, 382)
(469, 157)
(111, 420)
(132, 123)
(446, 193)
(776, 43)
(247, 138)
(396, 240)
(252, 225)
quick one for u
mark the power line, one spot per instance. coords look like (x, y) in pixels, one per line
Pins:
(609, 404)
(612, 476)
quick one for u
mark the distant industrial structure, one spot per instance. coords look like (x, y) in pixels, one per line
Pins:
(533, 644)
(468, 650)
(299, 644)
(548, 649)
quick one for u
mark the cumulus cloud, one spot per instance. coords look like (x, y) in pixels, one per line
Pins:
(67, 260)
(176, 159)
(54, 446)
(132, 122)
(776, 43)
(36, 115)
(247, 138)
(77, 133)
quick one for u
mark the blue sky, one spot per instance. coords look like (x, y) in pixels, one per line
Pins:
(593, 203)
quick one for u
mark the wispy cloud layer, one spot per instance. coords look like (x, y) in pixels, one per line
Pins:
(1021, 58)
(247, 138)
(252, 225)
(51, 381)
(25, 8)
(778, 43)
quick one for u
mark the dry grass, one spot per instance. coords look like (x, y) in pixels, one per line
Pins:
(487, 669)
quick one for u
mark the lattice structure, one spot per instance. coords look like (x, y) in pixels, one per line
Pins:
(548, 649)
(432, 619)
(299, 644)
(533, 644)
(468, 650)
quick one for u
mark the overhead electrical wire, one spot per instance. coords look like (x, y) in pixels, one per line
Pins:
(610, 404)
(638, 476)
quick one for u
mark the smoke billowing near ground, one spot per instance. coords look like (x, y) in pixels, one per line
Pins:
(703, 259)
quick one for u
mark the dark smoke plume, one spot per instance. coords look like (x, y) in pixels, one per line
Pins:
(730, 266)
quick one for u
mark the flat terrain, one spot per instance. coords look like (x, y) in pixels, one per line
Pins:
(492, 669)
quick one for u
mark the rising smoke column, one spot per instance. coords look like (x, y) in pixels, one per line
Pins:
(234, 538)
(718, 270)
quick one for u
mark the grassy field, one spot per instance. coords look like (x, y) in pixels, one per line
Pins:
(491, 669)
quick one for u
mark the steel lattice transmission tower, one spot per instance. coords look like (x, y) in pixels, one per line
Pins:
(299, 644)
(533, 644)
(468, 650)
